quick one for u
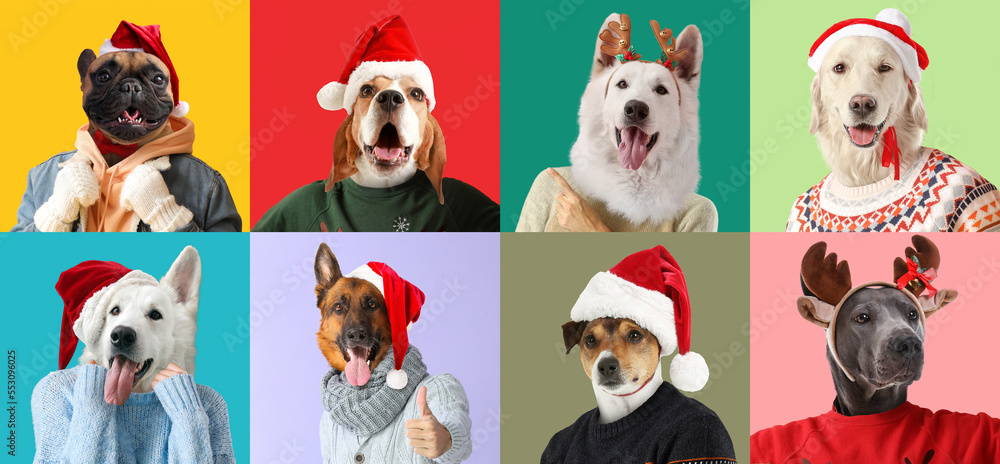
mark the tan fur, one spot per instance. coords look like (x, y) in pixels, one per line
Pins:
(899, 104)
(353, 290)
(637, 359)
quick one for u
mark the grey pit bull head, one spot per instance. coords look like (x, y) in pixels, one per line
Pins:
(875, 331)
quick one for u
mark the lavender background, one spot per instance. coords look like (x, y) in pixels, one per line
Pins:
(458, 331)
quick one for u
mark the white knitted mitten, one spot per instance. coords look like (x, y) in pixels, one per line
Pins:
(145, 192)
(75, 189)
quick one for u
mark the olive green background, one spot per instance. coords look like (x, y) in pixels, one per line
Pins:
(958, 85)
(546, 51)
(544, 390)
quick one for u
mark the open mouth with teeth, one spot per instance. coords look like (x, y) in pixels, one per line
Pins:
(864, 135)
(359, 364)
(633, 146)
(122, 375)
(388, 149)
(131, 117)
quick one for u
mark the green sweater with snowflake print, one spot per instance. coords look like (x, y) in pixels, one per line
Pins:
(409, 207)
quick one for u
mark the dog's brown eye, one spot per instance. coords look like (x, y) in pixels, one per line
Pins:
(115, 311)
(912, 315)
(661, 90)
(155, 315)
(634, 336)
(884, 68)
(862, 318)
(367, 91)
(338, 308)
(839, 68)
(103, 77)
(590, 341)
(158, 80)
(417, 94)
(371, 303)
(623, 85)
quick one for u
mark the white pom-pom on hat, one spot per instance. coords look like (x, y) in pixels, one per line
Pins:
(331, 96)
(396, 379)
(689, 372)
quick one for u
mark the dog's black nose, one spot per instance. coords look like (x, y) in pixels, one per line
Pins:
(607, 366)
(908, 346)
(389, 100)
(122, 337)
(130, 86)
(862, 105)
(636, 110)
(357, 334)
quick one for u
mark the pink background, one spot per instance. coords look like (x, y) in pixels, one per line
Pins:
(790, 378)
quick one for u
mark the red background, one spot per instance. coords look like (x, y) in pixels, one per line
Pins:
(296, 50)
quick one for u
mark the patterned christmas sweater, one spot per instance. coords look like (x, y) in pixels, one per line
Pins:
(907, 434)
(935, 193)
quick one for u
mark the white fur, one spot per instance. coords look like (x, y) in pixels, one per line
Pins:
(613, 407)
(407, 124)
(170, 339)
(659, 189)
(608, 295)
(898, 105)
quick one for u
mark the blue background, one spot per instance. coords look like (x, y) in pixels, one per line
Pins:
(33, 313)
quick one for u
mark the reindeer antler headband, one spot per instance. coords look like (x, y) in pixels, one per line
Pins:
(826, 283)
(618, 45)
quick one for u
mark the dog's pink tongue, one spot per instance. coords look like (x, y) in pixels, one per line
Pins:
(357, 370)
(118, 383)
(388, 153)
(862, 135)
(632, 150)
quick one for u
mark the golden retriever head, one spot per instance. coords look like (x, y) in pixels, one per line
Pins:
(389, 135)
(858, 93)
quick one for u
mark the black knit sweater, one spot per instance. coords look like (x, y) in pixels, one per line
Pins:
(669, 427)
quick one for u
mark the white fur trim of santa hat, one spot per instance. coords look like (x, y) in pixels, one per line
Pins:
(608, 295)
(88, 326)
(907, 52)
(338, 96)
(180, 109)
(365, 272)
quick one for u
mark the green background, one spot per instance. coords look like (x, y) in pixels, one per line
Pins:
(544, 390)
(961, 78)
(33, 312)
(546, 52)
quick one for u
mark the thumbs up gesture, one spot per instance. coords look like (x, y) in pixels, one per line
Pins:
(427, 436)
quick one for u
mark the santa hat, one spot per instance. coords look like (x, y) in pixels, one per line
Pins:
(403, 301)
(83, 288)
(891, 25)
(134, 38)
(648, 287)
(385, 48)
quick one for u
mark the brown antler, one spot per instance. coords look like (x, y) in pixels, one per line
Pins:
(925, 255)
(618, 45)
(667, 44)
(824, 276)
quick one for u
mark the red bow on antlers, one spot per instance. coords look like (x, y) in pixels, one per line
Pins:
(913, 272)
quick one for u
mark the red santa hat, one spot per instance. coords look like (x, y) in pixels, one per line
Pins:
(83, 288)
(648, 287)
(891, 25)
(385, 48)
(403, 301)
(135, 38)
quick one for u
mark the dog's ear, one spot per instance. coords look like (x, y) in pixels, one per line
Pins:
(327, 268)
(184, 277)
(572, 332)
(345, 152)
(817, 105)
(602, 60)
(815, 310)
(930, 305)
(431, 155)
(915, 103)
(87, 57)
(689, 67)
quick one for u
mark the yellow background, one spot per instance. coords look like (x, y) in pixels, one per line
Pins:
(208, 42)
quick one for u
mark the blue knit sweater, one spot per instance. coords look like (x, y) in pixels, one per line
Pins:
(178, 422)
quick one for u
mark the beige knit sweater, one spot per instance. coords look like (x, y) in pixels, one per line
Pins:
(539, 211)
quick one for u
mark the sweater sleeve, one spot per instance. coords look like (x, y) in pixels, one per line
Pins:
(72, 421)
(199, 428)
(471, 209)
(446, 399)
(700, 216)
(219, 213)
(704, 440)
(26, 210)
(979, 211)
(535, 212)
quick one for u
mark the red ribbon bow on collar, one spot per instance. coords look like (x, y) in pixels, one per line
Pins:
(890, 151)
(913, 272)
(105, 146)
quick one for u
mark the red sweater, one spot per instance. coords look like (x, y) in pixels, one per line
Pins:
(907, 434)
